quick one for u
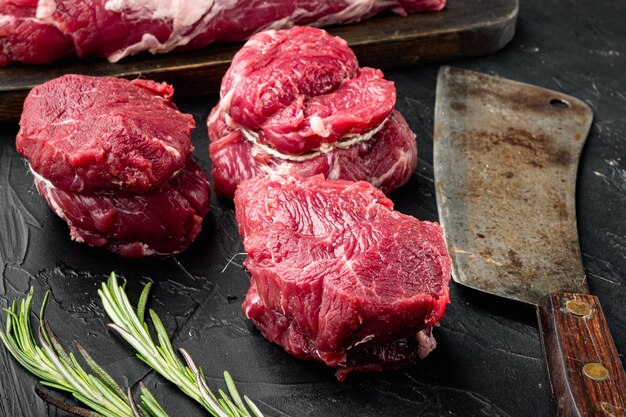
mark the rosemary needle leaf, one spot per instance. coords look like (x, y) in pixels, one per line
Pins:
(226, 402)
(52, 340)
(101, 373)
(164, 340)
(56, 386)
(234, 393)
(130, 325)
(253, 407)
(143, 300)
(150, 402)
(207, 397)
(57, 369)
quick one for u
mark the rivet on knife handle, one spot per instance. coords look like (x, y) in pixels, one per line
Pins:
(586, 373)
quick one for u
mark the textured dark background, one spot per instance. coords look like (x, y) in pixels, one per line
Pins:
(488, 362)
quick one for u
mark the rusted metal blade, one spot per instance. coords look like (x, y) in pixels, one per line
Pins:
(506, 156)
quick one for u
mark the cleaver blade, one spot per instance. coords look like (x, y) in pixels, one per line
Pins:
(506, 156)
(505, 161)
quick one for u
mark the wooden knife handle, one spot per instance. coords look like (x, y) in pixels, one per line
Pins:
(586, 373)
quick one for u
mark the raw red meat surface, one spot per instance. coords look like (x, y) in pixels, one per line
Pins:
(337, 275)
(387, 160)
(112, 158)
(296, 101)
(94, 133)
(24, 38)
(302, 87)
(42, 31)
(159, 223)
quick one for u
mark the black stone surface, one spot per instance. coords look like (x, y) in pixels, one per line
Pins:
(488, 361)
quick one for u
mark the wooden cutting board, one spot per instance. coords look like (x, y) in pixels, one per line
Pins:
(464, 28)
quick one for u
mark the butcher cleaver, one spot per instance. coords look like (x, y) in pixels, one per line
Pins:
(506, 156)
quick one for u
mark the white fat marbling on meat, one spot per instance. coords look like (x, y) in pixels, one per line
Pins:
(227, 99)
(65, 122)
(236, 77)
(284, 168)
(182, 13)
(427, 343)
(170, 149)
(45, 9)
(5, 19)
(317, 125)
(5, 46)
(189, 20)
(254, 300)
(335, 171)
(148, 42)
(145, 249)
(287, 21)
(401, 164)
(262, 44)
(47, 188)
(364, 340)
(148, 251)
(230, 122)
(354, 12)
(345, 143)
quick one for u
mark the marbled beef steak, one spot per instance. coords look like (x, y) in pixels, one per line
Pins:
(337, 275)
(112, 158)
(42, 31)
(97, 133)
(296, 102)
(159, 223)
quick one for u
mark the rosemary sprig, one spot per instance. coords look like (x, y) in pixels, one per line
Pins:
(57, 369)
(190, 379)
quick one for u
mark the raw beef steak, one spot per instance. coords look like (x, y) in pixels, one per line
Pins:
(296, 102)
(387, 160)
(42, 31)
(26, 39)
(160, 223)
(337, 275)
(112, 158)
(92, 133)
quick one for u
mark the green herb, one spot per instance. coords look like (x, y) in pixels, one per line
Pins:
(59, 370)
(189, 378)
